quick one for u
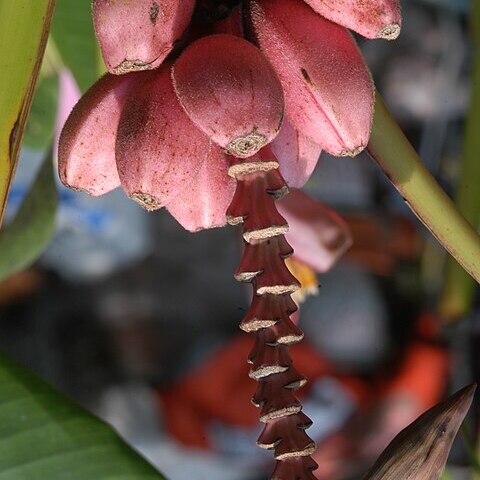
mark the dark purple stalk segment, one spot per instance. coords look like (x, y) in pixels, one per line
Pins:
(263, 265)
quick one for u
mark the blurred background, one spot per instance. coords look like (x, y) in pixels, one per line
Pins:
(137, 319)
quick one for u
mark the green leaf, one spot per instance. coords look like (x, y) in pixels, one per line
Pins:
(26, 236)
(45, 436)
(74, 37)
(40, 127)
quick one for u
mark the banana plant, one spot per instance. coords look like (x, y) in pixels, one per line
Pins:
(218, 128)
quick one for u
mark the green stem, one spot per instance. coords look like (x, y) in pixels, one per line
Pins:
(458, 290)
(24, 26)
(397, 158)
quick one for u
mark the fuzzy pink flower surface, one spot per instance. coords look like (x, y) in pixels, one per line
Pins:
(139, 34)
(317, 233)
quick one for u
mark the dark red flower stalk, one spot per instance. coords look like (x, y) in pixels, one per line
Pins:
(259, 185)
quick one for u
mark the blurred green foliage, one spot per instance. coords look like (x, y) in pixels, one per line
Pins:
(26, 236)
(45, 436)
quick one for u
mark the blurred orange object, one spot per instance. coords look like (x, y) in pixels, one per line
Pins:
(19, 285)
(379, 245)
(415, 385)
(221, 389)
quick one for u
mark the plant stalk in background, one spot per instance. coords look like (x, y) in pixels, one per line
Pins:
(399, 161)
(459, 288)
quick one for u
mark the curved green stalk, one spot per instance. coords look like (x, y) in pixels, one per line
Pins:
(24, 26)
(458, 290)
(397, 158)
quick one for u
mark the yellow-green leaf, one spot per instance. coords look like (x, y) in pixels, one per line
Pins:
(24, 26)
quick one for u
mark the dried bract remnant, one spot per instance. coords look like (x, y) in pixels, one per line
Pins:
(241, 168)
(139, 34)
(159, 151)
(266, 310)
(420, 451)
(370, 18)
(256, 255)
(299, 468)
(86, 151)
(253, 206)
(235, 97)
(328, 88)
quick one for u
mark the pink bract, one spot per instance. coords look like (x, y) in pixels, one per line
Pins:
(328, 89)
(318, 235)
(68, 96)
(139, 34)
(231, 92)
